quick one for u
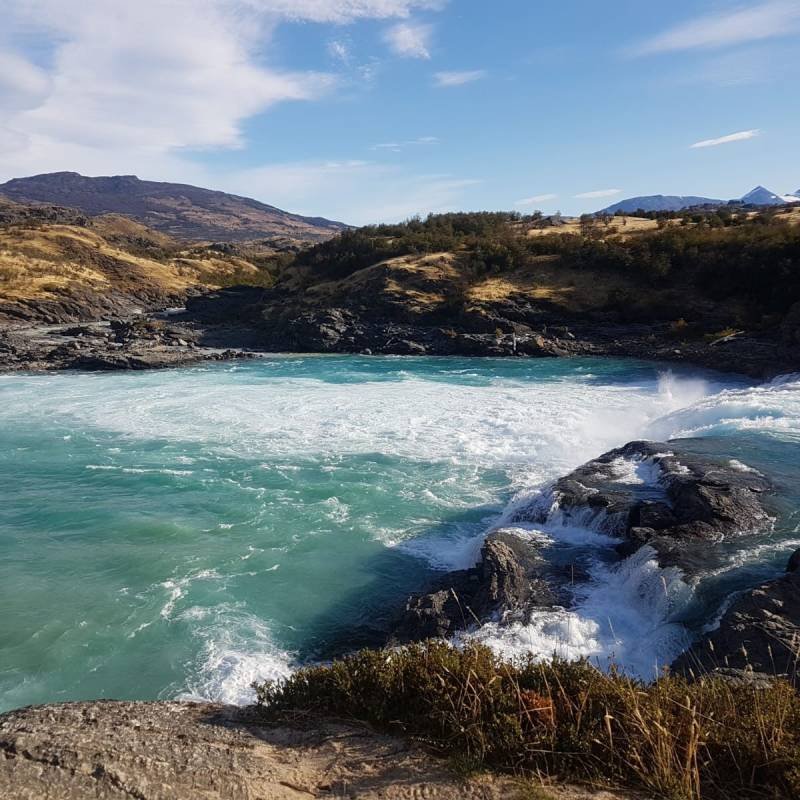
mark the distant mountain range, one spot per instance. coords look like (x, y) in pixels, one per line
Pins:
(665, 202)
(182, 211)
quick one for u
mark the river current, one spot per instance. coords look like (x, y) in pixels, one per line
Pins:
(182, 533)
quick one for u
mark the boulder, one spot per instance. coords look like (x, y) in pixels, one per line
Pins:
(510, 579)
(661, 494)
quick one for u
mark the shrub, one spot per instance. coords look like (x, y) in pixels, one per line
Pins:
(706, 739)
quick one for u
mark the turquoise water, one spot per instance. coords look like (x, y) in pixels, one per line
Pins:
(182, 533)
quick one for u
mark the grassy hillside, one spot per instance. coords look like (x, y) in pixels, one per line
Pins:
(709, 271)
(61, 257)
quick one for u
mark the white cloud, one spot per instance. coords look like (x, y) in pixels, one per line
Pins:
(537, 198)
(765, 20)
(740, 136)
(338, 11)
(458, 78)
(410, 40)
(357, 192)
(129, 87)
(22, 84)
(396, 147)
(339, 51)
(598, 193)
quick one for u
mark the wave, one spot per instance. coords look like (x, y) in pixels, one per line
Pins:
(772, 408)
(237, 649)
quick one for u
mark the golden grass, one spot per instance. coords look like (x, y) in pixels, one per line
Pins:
(41, 262)
(419, 280)
(624, 225)
(547, 279)
(706, 740)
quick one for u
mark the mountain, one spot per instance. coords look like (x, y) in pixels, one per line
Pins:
(179, 210)
(762, 197)
(667, 202)
(658, 202)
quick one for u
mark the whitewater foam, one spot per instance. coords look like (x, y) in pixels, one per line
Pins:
(238, 649)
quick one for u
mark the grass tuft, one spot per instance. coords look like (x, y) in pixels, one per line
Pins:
(567, 720)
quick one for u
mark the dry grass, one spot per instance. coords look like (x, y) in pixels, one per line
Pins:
(678, 740)
(547, 279)
(624, 225)
(420, 281)
(42, 262)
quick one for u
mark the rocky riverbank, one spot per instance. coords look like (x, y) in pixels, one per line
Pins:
(186, 751)
(133, 342)
(229, 322)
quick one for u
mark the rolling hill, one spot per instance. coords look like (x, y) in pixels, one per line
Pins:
(179, 210)
(57, 265)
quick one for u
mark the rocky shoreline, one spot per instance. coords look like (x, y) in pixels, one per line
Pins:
(116, 750)
(243, 321)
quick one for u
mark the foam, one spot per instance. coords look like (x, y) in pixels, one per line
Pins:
(772, 408)
(625, 616)
(557, 423)
(237, 650)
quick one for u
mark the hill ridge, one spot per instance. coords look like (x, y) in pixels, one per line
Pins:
(181, 210)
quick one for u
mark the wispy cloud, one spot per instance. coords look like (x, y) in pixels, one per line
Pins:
(339, 51)
(396, 147)
(361, 192)
(100, 101)
(537, 198)
(598, 193)
(409, 39)
(458, 78)
(765, 20)
(739, 136)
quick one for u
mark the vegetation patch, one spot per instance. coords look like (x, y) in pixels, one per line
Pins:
(712, 738)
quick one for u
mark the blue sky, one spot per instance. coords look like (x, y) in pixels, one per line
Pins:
(371, 110)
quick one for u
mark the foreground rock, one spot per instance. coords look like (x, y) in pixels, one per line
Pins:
(760, 632)
(662, 495)
(510, 579)
(109, 750)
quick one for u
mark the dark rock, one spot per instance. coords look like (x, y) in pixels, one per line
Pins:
(404, 347)
(682, 500)
(511, 578)
(760, 632)
(794, 562)
(234, 304)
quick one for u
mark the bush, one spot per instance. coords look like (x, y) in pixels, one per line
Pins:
(707, 739)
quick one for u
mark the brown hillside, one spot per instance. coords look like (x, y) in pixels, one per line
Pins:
(178, 210)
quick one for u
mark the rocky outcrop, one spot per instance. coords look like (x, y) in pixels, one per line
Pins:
(132, 343)
(645, 493)
(759, 633)
(109, 750)
(661, 494)
(510, 579)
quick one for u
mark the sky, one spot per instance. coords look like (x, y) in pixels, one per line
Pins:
(376, 110)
